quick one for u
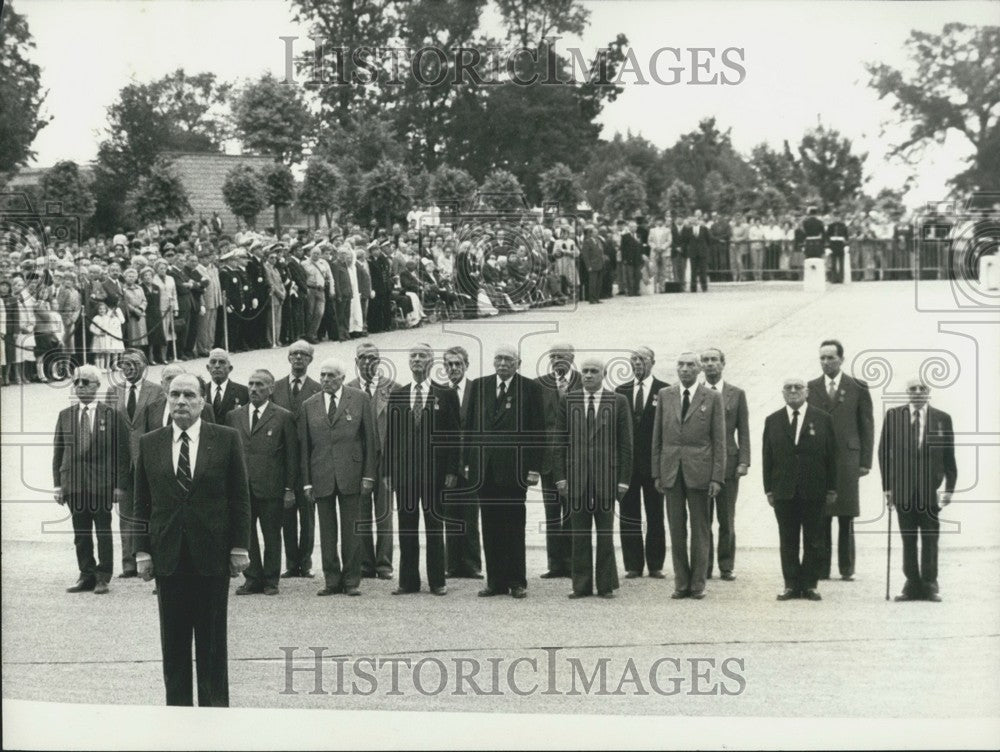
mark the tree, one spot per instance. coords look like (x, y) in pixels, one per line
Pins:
(701, 152)
(721, 195)
(451, 186)
(779, 170)
(501, 191)
(624, 194)
(272, 118)
(561, 185)
(679, 199)
(955, 87)
(384, 193)
(528, 22)
(769, 201)
(20, 91)
(160, 195)
(321, 188)
(244, 193)
(63, 183)
(279, 189)
(830, 166)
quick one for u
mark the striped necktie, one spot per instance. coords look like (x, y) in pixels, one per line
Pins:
(184, 463)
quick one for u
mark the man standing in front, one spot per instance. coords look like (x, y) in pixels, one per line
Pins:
(224, 395)
(641, 394)
(271, 447)
(593, 468)
(193, 507)
(737, 420)
(504, 439)
(129, 400)
(916, 454)
(560, 381)
(423, 434)
(90, 469)
(799, 463)
(689, 467)
(632, 258)
(338, 454)
(592, 257)
(849, 403)
(376, 556)
(299, 523)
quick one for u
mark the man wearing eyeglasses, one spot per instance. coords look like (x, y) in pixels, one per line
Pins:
(90, 468)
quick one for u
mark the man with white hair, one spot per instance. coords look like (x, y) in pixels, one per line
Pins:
(90, 470)
(339, 451)
(223, 395)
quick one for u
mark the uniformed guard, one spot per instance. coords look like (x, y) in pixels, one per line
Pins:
(230, 278)
(260, 292)
(836, 238)
(815, 234)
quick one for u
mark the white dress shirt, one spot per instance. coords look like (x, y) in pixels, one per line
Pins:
(834, 382)
(597, 399)
(506, 386)
(425, 391)
(339, 394)
(922, 412)
(717, 386)
(374, 385)
(802, 415)
(260, 411)
(460, 389)
(194, 436)
(647, 387)
(219, 389)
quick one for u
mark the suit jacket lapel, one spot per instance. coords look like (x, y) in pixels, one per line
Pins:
(268, 414)
(245, 420)
(697, 397)
(204, 452)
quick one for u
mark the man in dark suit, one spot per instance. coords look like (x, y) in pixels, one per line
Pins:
(849, 403)
(916, 454)
(461, 525)
(689, 467)
(592, 258)
(184, 284)
(504, 439)
(737, 420)
(156, 413)
(271, 447)
(343, 292)
(697, 241)
(298, 523)
(555, 385)
(593, 469)
(423, 437)
(836, 238)
(338, 455)
(632, 258)
(376, 509)
(800, 473)
(199, 282)
(90, 470)
(641, 394)
(130, 400)
(193, 507)
(223, 394)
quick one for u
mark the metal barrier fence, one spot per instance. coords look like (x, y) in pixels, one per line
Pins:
(871, 260)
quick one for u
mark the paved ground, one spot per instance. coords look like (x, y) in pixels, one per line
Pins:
(851, 655)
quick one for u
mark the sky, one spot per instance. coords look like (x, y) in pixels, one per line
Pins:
(803, 60)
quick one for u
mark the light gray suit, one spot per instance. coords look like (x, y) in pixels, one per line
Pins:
(688, 453)
(376, 554)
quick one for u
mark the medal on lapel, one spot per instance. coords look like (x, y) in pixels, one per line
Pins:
(812, 430)
(349, 416)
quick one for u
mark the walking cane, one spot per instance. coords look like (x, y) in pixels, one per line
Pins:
(888, 552)
(225, 320)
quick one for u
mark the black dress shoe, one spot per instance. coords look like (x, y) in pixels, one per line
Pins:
(608, 594)
(404, 591)
(678, 594)
(553, 575)
(329, 591)
(811, 595)
(788, 594)
(384, 575)
(847, 577)
(443, 590)
(518, 592)
(270, 590)
(728, 576)
(101, 588)
(127, 574)
(248, 590)
(307, 573)
(697, 594)
(933, 597)
(903, 597)
(575, 595)
(368, 575)
(632, 574)
(290, 573)
(657, 574)
(352, 591)
(82, 585)
(488, 592)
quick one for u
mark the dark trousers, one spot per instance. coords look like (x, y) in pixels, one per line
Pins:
(699, 272)
(689, 573)
(635, 553)
(461, 529)
(343, 319)
(504, 516)
(585, 513)
(410, 502)
(92, 517)
(127, 527)
(299, 528)
(837, 267)
(607, 279)
(595, 283)
(799, 520)
(724, 510)
(343, 570)
(845, 546)
(557, 531)
(191, 335)
(678, 262)
(920, 528)
(377, 530)
(192, 604)
(268, 512)
(633, 274)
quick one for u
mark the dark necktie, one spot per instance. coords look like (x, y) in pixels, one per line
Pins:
(831, 392)
(85, 432)
(331, 411)
(418, 403)
(296, 388)
(562, 384)
(685, 404)
(217, 402)
(254, 419)
(916, 432)
(184, 463)
(640, 402)
(591, 415)
(368, 388)
(795, 427)
(130, 405)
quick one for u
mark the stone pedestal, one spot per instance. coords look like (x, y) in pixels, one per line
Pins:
(814, 275)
